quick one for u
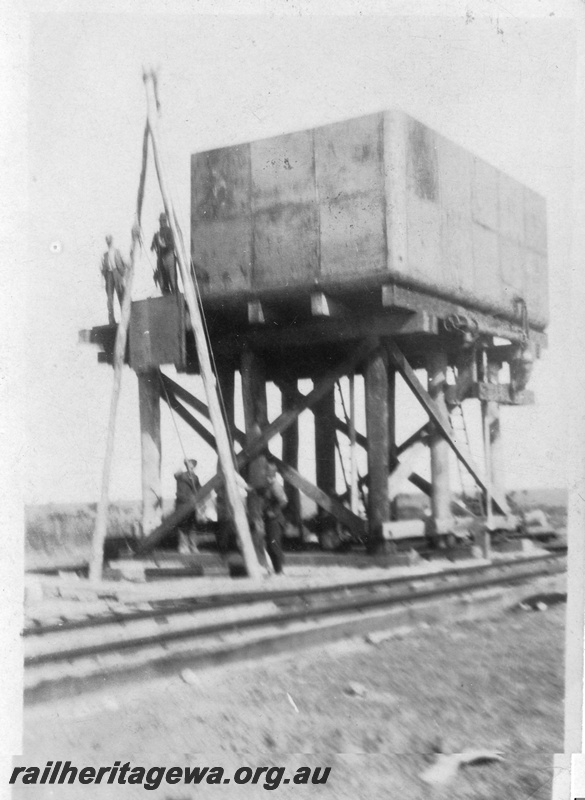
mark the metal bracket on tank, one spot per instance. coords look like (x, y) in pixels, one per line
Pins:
(464, 324)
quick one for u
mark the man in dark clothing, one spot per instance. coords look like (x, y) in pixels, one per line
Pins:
(113, 269)
(258, 483)
(188, 484)
(163, 244)
(274, 501)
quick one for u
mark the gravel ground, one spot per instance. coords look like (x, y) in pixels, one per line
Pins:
(494, 685)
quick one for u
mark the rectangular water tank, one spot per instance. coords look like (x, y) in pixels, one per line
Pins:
(379, 198)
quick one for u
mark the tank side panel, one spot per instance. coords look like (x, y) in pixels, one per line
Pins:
(222, 255)
(382, 196)
(487, 287)
(286, 245)
(221, 219)
(537, 293)
(423, 206)
(511, 230)
(535, 238)
(395, 155)
(456, 257)
(285, 218)
(349, 168)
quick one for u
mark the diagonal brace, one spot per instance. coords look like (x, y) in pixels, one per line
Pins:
(254, 448)
(441, 422)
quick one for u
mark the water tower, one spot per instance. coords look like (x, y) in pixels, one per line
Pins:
(369, 247)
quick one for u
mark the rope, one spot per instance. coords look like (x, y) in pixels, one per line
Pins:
(347, 422)
(162, 383)
(338, 448)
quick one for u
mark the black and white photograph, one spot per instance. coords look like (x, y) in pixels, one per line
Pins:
(294, 457)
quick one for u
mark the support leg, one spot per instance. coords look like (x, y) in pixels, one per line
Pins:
(290, 454)
(392, 429)
(325, 434)
(225, 385)
(324, 412)
(441, 490)
(149, 404)
(256, 418)
(491, 416)
(377, 419)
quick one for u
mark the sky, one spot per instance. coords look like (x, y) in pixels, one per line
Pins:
(501, 86)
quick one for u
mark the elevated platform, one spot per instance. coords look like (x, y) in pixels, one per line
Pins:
(311, 328)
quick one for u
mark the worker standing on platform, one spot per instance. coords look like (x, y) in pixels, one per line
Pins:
(274, 500)
(163, 244)
(113, 269)
(188, 484)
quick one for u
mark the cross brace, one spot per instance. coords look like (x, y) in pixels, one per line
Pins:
(254, 448)
(442, 424)
(290, 475)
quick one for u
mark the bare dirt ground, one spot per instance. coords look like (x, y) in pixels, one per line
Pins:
(494, 684)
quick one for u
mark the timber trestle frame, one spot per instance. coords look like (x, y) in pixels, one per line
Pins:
(173, 393)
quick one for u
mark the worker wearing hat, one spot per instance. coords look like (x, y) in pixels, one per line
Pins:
(188, 484)
(163, 244)
(113, 269)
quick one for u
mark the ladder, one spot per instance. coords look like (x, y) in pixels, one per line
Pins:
(469, 495)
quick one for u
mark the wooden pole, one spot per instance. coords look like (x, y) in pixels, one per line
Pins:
(392, 430)
(492, 432)
(352, 447)
(150, 446)
(253, 393)
(225, 452)
(290, 453)
(376, 385)
(101, 524)
(324, 412)
(441, 491)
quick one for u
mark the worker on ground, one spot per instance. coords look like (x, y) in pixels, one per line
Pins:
(274, 501)
(257, 481)
(113, 269)
(188, 484)
(163, 244)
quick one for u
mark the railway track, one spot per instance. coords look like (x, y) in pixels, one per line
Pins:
(153, 636)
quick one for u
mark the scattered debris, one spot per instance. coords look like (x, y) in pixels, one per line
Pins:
(293, 704)
(446, 767)
(90, 707)
(356, 689)
(377, 637)
(270, 741)
(190, 677)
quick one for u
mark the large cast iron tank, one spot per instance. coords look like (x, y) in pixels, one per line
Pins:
(381, 198)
